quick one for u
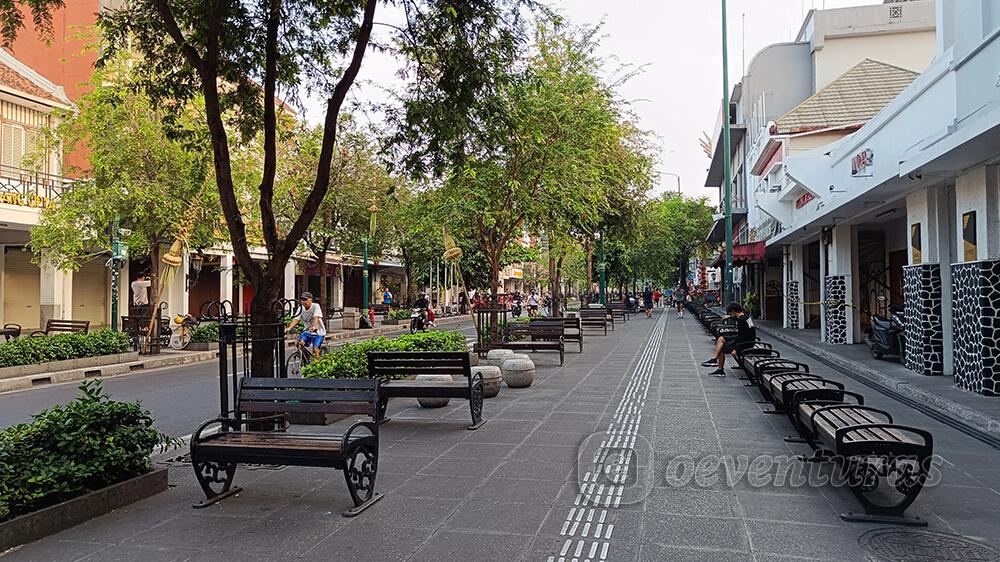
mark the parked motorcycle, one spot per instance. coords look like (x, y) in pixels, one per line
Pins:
(886, 336)
(515, 309)
(418, 320)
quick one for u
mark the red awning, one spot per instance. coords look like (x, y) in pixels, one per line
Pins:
(743, 253)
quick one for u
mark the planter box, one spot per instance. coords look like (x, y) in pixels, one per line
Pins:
(390, 322)
(202, 346)
(59, 517)
(299, 418)
(67, 365)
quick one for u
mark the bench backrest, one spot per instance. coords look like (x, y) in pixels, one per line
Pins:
(402, 364)
(617, 306)
(71, 326)
(542, 329)
(565, 322)
(593, 314)
(260, 395)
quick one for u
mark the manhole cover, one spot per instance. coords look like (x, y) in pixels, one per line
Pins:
(899, 545)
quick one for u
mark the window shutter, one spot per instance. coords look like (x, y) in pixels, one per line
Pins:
(7, 145)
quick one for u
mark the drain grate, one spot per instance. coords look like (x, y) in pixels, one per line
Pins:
(185, 460)
(899, 545)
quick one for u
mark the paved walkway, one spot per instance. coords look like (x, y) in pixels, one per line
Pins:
(523, 487)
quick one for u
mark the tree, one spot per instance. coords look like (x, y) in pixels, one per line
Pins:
(12, 17)
(240, 56)
(154, 183)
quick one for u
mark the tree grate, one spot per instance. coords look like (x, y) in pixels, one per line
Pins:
(898, 545)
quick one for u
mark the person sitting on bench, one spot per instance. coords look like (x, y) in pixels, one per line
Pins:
(746, 332)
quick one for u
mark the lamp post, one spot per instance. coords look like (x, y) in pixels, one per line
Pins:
(728, 180)
(678, 180)
(601, 267)
(373, 209)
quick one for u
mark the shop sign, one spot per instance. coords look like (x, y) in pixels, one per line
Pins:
(30, 200)
(862, 161)
(806, 198)
(519, 274)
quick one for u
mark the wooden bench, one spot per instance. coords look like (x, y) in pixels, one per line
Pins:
(885, 464)
(394, 370)
(535, 337)
(596, 318)
(264, 402)
(572, 328)
(53, 326)
(618, 310)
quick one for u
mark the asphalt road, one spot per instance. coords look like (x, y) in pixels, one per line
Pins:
(179, 398)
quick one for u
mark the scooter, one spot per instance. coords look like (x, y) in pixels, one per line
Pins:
(418, 320)
(515, 309)
(886, 336)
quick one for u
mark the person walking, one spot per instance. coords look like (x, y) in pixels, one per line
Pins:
(680, 298)
(746, 332)
(647, 302)
(656, 298)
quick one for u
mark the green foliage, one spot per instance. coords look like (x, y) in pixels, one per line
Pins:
(751, 304)
(205, 333)
(59, 347)
(350, 361)
(399, 314)
(12, 14)
(69, 450)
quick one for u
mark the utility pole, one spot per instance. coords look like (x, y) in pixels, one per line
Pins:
(727, 172)
(601, 267)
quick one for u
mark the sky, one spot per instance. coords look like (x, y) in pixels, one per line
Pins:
(678, 45)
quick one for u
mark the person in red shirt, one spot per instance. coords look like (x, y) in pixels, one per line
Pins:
(656, 298)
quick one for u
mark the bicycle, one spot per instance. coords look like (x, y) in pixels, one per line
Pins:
(301, 357)
(181, 337)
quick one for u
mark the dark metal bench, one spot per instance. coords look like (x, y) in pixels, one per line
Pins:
(885, 464)
(572, 328)
(394, 370)
(381, 309)
(535, 337)
(53, 326)
(619, 310)
(264, 402)
(596, 318)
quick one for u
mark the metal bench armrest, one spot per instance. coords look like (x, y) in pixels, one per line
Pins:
(923, 434)
(803, 396)
(348, 437)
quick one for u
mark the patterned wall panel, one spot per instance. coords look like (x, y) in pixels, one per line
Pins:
(924, 330)
(836, 314)
(792, 305)
(975, 309)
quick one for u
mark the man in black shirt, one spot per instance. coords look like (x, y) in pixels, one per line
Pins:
(746, 332)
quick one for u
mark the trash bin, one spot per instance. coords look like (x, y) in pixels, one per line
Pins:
(351, 319)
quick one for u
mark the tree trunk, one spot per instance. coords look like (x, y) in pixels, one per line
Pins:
(557, 297)
(267, 326)
(154, 296)
(590, 269)
(553, 287)
(404, 291)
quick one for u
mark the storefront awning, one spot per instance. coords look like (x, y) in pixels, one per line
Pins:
(718, 232)
(715, 170)
(743, 254)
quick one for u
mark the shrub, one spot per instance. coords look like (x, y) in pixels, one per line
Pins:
(399, 314)
(75, 448)
(29, 351)
(205, 333)
(350, 361)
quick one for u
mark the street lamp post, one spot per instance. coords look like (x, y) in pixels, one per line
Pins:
(601, 267)
(678, 180)
(725, 160)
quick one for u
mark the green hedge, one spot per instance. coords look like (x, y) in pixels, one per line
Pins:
(205, 333)
(400, 314)
(350, 361)
(75, 448)
(29, 351)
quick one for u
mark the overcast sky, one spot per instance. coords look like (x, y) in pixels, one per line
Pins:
(679, 42)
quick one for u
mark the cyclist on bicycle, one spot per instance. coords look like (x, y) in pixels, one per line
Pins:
(312, 321)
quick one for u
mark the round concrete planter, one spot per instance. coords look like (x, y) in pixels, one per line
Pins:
(491, 379)
(496, 357)
(518, 373)
(433, 402)
(473, 359)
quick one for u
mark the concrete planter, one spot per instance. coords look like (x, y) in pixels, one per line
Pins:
(300, 418)
(67, 365)
(390, 322)
(492, 377)
(202, 346)
(496, 357)
(518, 373)
(473, 359)
(433, 402)
(59, 517)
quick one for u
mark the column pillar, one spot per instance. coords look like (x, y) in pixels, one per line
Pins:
(289, 278)
(337, 295)
(794, 283)
(927, 310)
(976, 282)
(124, 293)
(226, 278)
(174, 292)
(838, 326)
(53, 300)
(3, 254)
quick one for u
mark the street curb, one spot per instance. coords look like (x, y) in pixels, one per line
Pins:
(944, 407)
(145, 363)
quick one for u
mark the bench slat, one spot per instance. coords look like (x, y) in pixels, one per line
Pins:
(260, 407)
(307, 395)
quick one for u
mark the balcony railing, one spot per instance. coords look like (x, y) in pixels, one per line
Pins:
(26, 188)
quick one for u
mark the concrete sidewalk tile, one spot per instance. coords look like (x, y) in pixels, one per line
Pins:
(196, 531)
(659, 553)
(470, 450)
(811, 541)
(537, 470)
(121, 553)
(355, 543)
(402, 511)
(492, 517)
(815, 509)
(429, 486)
(454, 545)
(51, 549)
(691, 531)
(510, 490)
(459, 467)
(285, 534)
(686, 501)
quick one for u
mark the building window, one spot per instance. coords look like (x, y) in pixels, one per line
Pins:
(16, 143)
